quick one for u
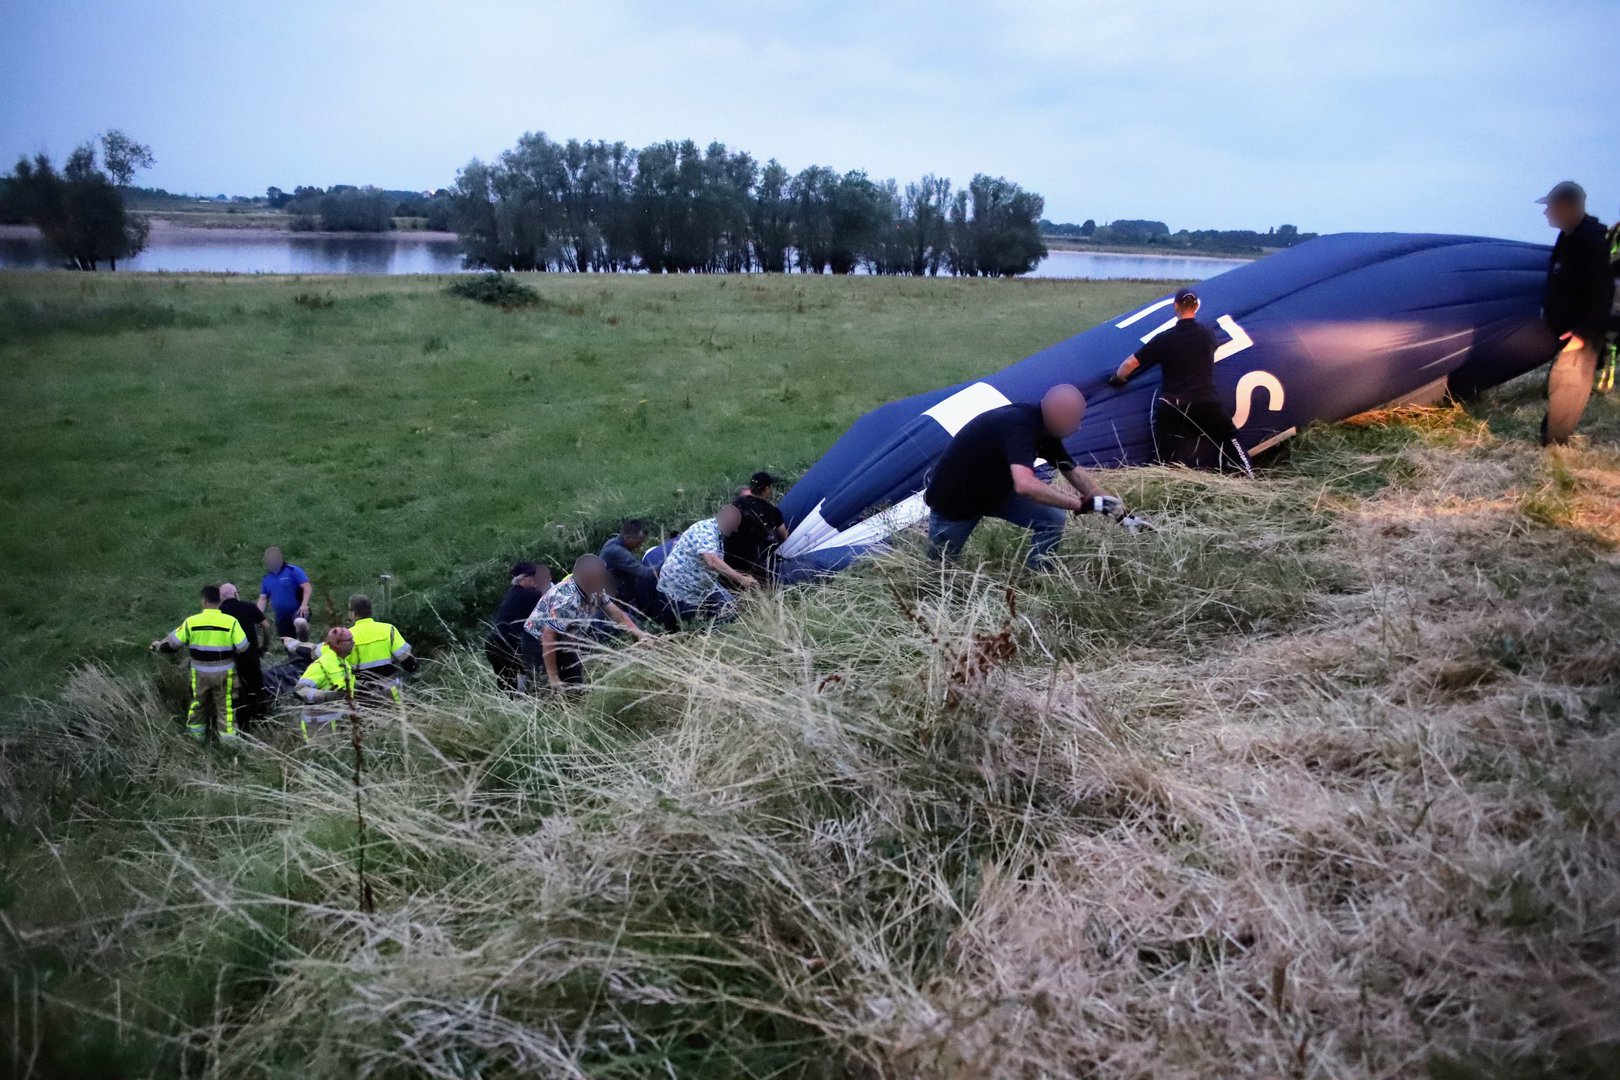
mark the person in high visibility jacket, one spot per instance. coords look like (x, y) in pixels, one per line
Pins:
(327, 685)
(212, 640)
(381, 653)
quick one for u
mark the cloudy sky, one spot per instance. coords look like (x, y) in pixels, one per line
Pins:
(1379, 114)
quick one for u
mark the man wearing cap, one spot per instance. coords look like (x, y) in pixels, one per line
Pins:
(504, 643)
(762, 528)
(1580, 292)
(1189, 425)
(988, 470)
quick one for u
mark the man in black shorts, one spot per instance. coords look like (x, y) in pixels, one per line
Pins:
(1189, 425)
(989, 471)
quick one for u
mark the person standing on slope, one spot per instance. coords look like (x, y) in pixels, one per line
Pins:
(212, 640)
(1580, 292)
(989, 471)
(285, 589)
(1189, 425)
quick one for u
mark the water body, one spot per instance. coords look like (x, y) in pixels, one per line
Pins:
(263, 251)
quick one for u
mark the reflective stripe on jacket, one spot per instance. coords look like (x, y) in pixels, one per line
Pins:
(211, 639)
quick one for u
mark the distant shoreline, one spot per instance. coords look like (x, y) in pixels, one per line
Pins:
(163, 227)
(1065, 243)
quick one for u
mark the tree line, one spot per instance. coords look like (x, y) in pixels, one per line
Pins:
(1144, 233)
(348, 208)
(678, 208)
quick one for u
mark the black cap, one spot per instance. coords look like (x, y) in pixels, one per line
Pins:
(1565, 191)
(761, 479)
(524, 569)
(1185, 297)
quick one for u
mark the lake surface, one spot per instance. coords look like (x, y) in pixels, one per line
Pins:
(250, 251)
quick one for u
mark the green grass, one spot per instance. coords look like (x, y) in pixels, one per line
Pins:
(1317, 780)
(160, 432)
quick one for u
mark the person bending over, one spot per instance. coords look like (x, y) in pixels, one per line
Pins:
(751, 547)
(689, 580)
(1189, 426)
(989, 471)
(503, 645)
(574, 612)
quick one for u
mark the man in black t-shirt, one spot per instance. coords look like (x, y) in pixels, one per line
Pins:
(249, 663)
(1189, 426)
(504, 646)
(763, 527)
(989, 471)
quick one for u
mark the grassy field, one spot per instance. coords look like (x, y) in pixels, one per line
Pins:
(1322, 779)
(160, 432)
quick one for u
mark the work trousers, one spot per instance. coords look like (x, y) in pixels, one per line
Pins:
(211, 703)
(947, 536)
(1197, 434)
(1569, 385)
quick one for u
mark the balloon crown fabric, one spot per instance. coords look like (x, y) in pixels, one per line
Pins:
(1318, 332)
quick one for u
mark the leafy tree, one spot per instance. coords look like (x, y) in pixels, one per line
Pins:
(124, 157)
(771, 218)
(80, 210)
(275, 198)
(997, 228)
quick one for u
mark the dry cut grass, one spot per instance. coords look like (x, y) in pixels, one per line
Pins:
(1319, 781)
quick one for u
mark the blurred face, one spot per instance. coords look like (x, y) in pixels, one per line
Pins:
(273, 561)
(591, 578)
(1564, 215)
(728, 519)
(1062, 410)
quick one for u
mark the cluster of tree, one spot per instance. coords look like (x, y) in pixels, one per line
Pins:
(80, 210)
(1140, 233)
(339, 208)
(347, 208)
(673, 207)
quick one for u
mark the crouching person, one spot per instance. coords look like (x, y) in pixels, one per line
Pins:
(381, 654)
(573, 612)
(327, 685)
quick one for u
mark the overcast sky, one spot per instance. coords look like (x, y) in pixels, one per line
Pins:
(1378, 114)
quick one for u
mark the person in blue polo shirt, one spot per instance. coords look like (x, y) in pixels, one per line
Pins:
(286, 589)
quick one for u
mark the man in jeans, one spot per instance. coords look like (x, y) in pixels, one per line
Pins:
(989, 471)
(1580, 291)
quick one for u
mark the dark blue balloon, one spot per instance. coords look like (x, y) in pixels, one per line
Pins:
(1319, 332)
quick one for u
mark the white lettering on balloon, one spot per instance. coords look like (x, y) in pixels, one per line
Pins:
(1252, 381)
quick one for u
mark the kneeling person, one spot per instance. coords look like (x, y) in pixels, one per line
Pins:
(689, 578)
(327, 685)
(381, 653)
(572, 612)
(989, 471)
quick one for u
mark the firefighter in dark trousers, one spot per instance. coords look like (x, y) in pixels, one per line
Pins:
(1580, 292)
(212, 640)
(1189, 425)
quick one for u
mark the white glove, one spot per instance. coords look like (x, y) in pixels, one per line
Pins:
(1112, 505)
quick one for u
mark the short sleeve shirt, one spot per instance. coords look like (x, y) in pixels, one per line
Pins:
(1186, 354)
(746, 548)
(567, 609)
(282, 587)
(685, 576)
(974, 474)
